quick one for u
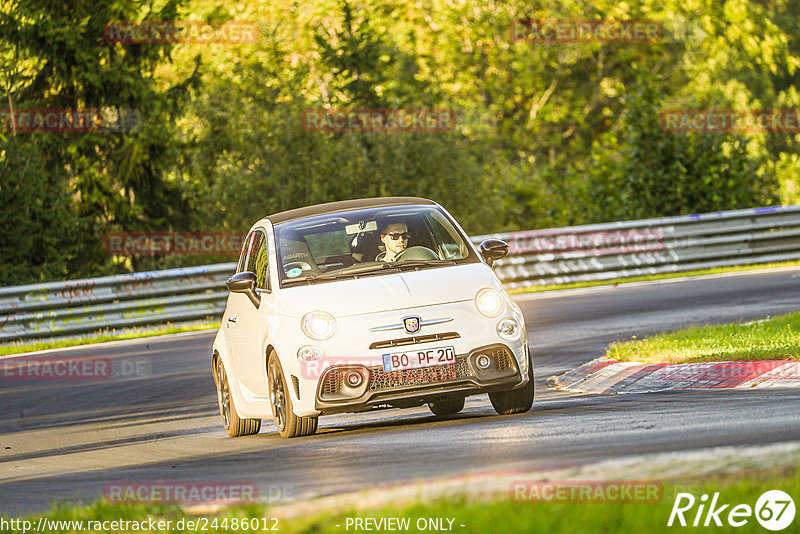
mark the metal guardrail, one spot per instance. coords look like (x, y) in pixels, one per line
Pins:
(650, 246)
(537, 257)
(63, 309)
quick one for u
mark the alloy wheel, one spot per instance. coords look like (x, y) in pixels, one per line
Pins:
(277, 395)
(223, 395)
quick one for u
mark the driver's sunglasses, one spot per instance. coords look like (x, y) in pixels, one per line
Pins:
(396, 235)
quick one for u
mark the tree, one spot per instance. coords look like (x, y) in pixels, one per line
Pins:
(661, 173)
(56, 57)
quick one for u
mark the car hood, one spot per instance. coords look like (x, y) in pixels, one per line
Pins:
(386, 292)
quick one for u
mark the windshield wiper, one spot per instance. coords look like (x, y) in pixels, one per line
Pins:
(422, 263)
(361, 269)
(344, 273)
(369, 269)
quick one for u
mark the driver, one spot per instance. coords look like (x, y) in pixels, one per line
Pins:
(395, 237)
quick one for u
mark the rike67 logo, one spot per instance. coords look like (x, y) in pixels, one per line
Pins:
(774, 510)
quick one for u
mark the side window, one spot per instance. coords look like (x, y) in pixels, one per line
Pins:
(448, 244)
(243, 256)
(258, 260)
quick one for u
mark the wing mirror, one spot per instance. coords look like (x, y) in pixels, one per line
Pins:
(244, 282)
(493, 249)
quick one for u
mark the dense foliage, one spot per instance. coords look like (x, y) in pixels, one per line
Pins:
(547, 134)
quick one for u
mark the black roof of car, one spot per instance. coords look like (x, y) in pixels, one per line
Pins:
(345, 205)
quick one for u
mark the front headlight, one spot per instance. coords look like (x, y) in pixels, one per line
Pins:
(489, 302)
(318, 325)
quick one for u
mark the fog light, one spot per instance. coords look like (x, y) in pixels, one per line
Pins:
(508, 329)
(354, 379)
(309, 354)
(483, 362)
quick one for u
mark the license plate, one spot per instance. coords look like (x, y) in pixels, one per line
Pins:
(415, 359)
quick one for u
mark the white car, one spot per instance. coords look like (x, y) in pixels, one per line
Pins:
(355, 305)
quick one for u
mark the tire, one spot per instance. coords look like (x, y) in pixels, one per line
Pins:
(515, 400)
(450, 406)
(288, 424)
(234, 425)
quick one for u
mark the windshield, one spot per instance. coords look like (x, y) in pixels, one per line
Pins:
(368, 241)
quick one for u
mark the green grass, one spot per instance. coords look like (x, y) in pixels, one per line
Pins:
(478, 516)
(651, 277)
(769, 339)
(105, 335)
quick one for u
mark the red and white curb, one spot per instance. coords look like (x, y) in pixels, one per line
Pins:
(612, 376)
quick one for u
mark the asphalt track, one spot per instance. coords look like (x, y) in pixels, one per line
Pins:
(158, 421)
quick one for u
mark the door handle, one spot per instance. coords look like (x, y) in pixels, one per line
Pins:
(232, 319)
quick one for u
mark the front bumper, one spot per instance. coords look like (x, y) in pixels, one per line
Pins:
(415, 386)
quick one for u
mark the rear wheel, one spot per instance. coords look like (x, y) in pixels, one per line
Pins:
(288, 424)
(234, 425)
(516, 400)
(449, 406)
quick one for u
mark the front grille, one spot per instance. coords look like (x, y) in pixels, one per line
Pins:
(332, 383)
(503, 366)
(414, 340)
(380, 379)
(502, 359)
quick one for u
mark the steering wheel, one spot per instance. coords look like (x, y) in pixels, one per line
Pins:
(416, 253)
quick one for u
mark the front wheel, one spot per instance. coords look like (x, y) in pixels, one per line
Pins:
(515, 400)
(234, 425)
(288, 424)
